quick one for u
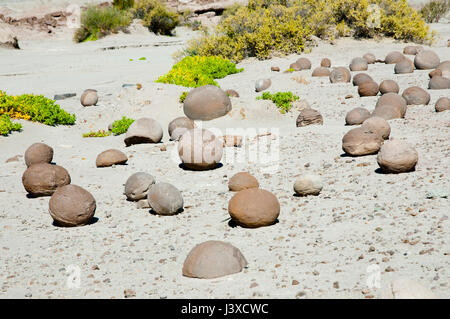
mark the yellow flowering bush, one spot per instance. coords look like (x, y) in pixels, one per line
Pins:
(7, 126)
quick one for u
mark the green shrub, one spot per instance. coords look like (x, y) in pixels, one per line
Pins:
(183, 97)
(123, 4)
(99, 133)
(265, 27)
(283, 100)
(434, 10)
(155, 16)
(98, 22)
(197, 71)
(121, 126)
(6, 126)
(36, 108)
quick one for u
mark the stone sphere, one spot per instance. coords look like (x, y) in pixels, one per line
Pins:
(442, 104)
(415, 95)
(393, 57)
(143, 130)
(165, 199)
(395, 100)
(439, 83)
(309, 116)
(206, 103)
(406, 289)
(321, 71)
(275, 68)
(361, 141)
(138, 185)
(241, 181)
(304, 63)
(426, 60)
(340, 75)
(308, 185)
(444, 67)
(72, 205)
(370, 58)
(38, 153)
(295, 66)
(358, 64)
(180, 122)
(387, 112)
(389, 86)
(200, 149)
(412, 49)
(178, 133)
(435, 72)
(89, 97)
(360, 78)
(378, 125)
(325, 63)
(368, 89)
(397, 156)
(43, 179)
(213, 259)
(262, 84)
(111, 157)
(357, 116)
(254, 207)
(404, 66)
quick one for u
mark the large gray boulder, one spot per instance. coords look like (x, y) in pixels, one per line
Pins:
(206, 103)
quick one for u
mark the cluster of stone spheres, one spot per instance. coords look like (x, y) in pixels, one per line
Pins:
(199, 149)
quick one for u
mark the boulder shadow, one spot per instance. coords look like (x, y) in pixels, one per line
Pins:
(183, 167)
(380, 171)
(233, 223)
(91, 222)
(152, 212)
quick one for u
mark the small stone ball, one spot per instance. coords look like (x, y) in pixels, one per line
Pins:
(138, 185)
(368, 89)
(361, 141)
(378, 125)
(42, 179)
(325, 63)
(397, 156)
(241, 181)
(357, 116)
(340, 75)
(389, 86)
(395, 100)
(38, 153)
(206, 103)
(309, 116)
(111, 157)
(89, 97)
(387, 112)
(358, 64)
(412, 49)
(415, 95)
(321, 71)
(304, 63)
(393, 57)
(360, 78)
(434, 73)
(143, 130)
(180, 122)
(165, 199)
(426, 60)
(262, 84)
(404, 66)
(439, 83)
(442, 104)
(308, 185)
(370, 58)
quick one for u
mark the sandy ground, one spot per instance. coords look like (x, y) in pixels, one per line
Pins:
(361, 218)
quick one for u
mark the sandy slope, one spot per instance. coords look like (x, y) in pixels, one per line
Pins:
(318, 240)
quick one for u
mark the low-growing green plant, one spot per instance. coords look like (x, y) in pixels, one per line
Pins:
(434, 10)
(121, 126)
(197, 71)
(99, 133)
(7, 126)
(290, 70)
(283, 100)
(98, 22)
(123, 4)
(36, 108)
(183, 97)
(156, 16)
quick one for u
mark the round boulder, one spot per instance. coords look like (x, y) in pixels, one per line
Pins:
(394, 100)
(361, 141)
(295, 66)
(241, 181)
(308, 185)
(415, 95)
(361, 78)
(304, 63)
(370, 58)
(412, 49)
(89, 97)
(72, 205)
(254, 207)
(165, 199)
(426, 60)
(340, 75)
(387, 112)
(262, 84)
(442, 104)
(358, 64)
(444, 67)
(213, 259)
(180, 122)
(143, 130)
(439, 83)
(368, 89)
(389, 86)
(38, 153)
(200, 149)
(393, 57)
(325, 63)
(321, 71)
(357, 116)
(111, 157)
(435, 72)
(404, 66)
(206, 103)
(397, 156)
(309, 116)
(378, 125)
(138, 185)
(43, 179)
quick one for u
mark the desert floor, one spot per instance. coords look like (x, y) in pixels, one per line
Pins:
(321, 247)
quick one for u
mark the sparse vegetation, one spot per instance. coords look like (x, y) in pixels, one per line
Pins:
(121, 126)
(283, 100)
(99, 133)
(123, 4)
(183, 97)
(155, 16)
(197, 71)
(7, 126)
(434, 10)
